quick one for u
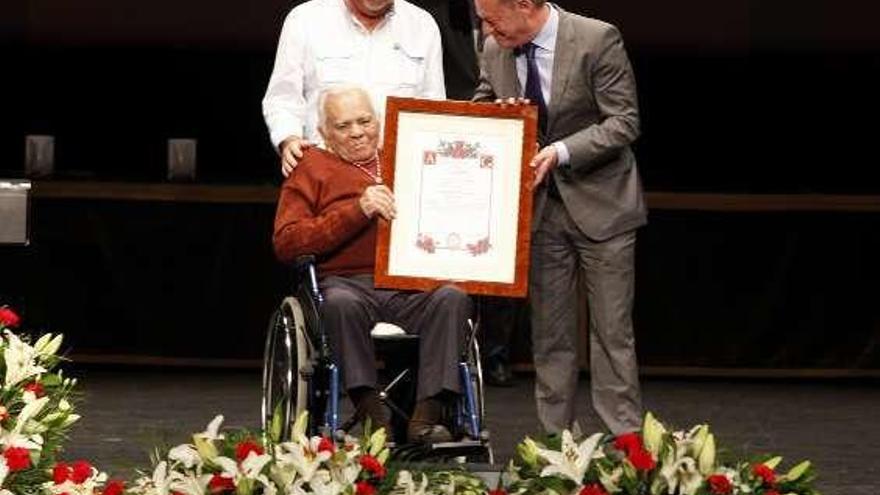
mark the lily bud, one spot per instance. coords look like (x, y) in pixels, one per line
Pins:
(652, 434)
(528, 451)
(300, 425)
(377, 441)
(706, 461)
(245, 487)
(49, 347)
(773, 462)
(205, 446)
(700, 433)
(796, 472)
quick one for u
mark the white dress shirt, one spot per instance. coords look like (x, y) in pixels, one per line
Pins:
(323, 45)
(545, 52)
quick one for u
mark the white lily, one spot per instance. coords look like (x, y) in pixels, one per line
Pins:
(611, 480)
(247, 473)
(303, 455)
(573, 460)
(4, 470)
(20, 360)
(250, 467)
(324, 484)
(283, 475)
(347, 471)
(204, 441)
(407, 485)
(679, 472)
(28, 412)
(185, 454)
(160, 481)
(189, 485)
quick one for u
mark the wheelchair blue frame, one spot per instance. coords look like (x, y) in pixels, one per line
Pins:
(467, 414)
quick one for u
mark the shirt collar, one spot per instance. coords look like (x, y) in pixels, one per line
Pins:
(546, 37)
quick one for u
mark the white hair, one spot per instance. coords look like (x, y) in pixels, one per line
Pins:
(335, 92)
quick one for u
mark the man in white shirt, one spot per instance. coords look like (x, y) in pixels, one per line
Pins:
(389, 47)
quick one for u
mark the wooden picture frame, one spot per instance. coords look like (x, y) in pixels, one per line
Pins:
(463, 190)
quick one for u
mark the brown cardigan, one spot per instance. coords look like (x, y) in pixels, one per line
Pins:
(318, 213)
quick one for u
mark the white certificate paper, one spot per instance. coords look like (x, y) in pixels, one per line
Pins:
(457, 184)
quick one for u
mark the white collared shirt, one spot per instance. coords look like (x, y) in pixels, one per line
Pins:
(323, 45)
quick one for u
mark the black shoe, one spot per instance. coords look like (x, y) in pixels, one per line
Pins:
(428, 434)
(497, 373)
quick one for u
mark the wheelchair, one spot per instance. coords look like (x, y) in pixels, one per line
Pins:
(299, 374)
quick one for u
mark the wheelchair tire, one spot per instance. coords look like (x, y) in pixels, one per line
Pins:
(287, 371)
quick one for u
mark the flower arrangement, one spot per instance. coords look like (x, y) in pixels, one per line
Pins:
(655, 462)
(241, 464)
(35, 414)
(35, 410)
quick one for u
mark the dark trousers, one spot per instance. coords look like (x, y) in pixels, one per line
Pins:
(352, 306)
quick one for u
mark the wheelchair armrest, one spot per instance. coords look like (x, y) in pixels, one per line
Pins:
(302, 262)
(305, 276)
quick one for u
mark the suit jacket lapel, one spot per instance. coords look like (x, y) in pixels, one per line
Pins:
(508, 69)
(563, 59)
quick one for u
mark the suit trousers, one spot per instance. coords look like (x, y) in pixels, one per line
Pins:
(352, 306)
(560, 254)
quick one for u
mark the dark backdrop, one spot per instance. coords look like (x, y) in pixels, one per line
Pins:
(736, 96)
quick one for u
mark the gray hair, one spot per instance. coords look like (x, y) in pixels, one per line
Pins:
(337, 91)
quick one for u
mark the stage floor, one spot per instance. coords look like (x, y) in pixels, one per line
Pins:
(833, 423)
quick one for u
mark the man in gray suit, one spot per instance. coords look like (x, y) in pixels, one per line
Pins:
(588, 197)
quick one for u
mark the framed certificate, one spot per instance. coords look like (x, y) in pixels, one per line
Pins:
(463, 190)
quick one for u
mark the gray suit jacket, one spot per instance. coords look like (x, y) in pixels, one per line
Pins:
(594, 111)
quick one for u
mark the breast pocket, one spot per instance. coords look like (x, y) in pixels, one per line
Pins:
(334, 67)
(410, 73)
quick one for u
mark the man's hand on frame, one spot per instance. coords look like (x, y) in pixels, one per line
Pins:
(512, 101)
(545, 161)
(379, 200)
(291, 152)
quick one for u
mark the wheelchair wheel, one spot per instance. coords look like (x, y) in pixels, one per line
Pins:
(484, 453)
(287, 371)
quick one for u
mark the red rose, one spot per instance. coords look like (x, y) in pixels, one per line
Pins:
(60, 473)
(642, 460)
(771, 492)
(364, 488)
(628, 442)
(114, 487)
(326, 445)
(243, 449)
(765, 473)
(719, 484)
(176, 493)
(8, 318)
(372, 465)
(593, 489)
(17, 458)
(221, 484)
(81, 471)
(36, 388)
(497, 491)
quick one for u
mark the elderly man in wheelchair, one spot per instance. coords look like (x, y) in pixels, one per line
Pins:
(329, 207)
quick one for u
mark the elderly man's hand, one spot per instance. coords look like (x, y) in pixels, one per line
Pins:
(545, 161)
(379, 200)
(291, 152)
